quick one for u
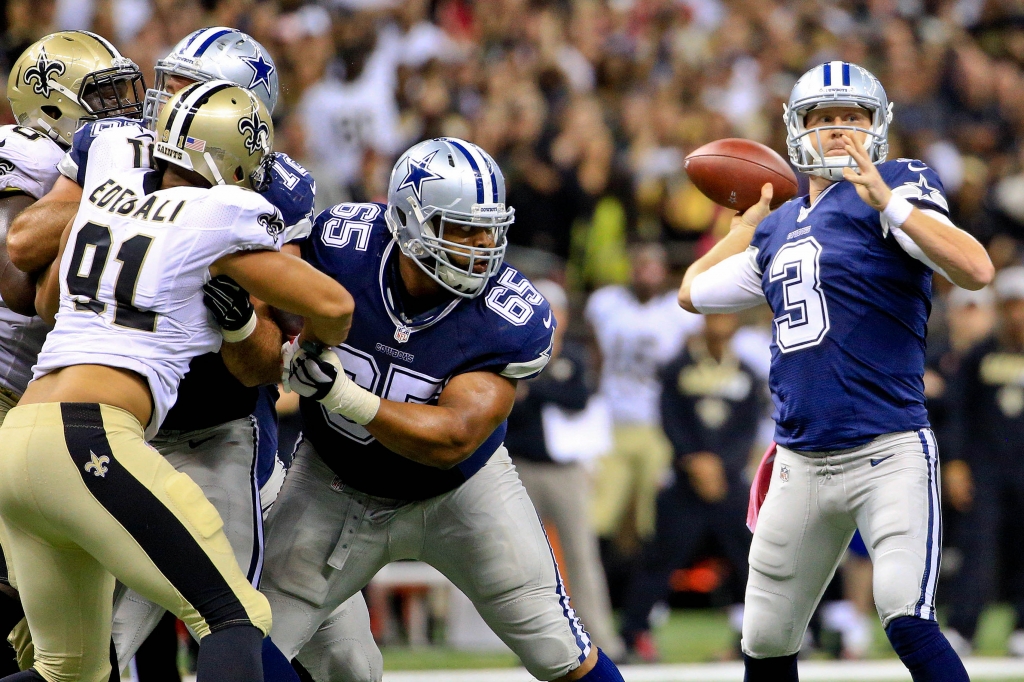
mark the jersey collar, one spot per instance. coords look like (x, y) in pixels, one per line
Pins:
(392, 303)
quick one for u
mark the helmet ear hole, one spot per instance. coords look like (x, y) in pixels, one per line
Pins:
(52, 111)
(401, 216)
(239, 174)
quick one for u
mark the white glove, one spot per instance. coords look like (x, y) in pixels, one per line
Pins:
(320, 376)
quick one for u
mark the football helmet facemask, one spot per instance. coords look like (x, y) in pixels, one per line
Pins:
(69, 77)
(217, 53)
(219, 130)
(439, 186)
(835, 84)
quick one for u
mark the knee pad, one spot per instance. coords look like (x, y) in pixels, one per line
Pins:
(769, 630)
(897, 586)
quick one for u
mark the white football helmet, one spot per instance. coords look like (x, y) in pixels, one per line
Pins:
(835, 84)
(441, 183)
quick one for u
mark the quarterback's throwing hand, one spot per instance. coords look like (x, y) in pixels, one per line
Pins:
(871, 188)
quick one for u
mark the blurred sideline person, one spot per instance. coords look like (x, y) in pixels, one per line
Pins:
(222, 430)
(84, 499)
(711, 403)
(986, 440)
(404, 422)
(847, 271)
(559, 489)
(59, 82)
(638, 329)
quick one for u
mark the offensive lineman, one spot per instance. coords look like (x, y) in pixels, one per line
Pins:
(61, 81)
(404, 460)
(847, 272)
(84, 499)
(222, 430)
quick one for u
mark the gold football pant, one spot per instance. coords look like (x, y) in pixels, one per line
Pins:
(85, 501)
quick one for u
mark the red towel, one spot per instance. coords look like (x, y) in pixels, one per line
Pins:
(759, 488)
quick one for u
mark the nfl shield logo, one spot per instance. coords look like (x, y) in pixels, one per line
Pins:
(402, 334)
(337, 485)
(784, 472)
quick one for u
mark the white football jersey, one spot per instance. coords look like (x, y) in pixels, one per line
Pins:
(28, 163)
(132, 273)
(636, 339)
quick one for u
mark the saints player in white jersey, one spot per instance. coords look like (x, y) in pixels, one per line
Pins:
(59, 82)
(83, 499)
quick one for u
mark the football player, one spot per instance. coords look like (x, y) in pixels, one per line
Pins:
(222, 430)
(847, 272)
(84, 499)
(58, 83)
(403, 424)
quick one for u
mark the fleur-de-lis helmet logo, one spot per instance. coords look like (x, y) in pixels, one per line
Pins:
(256, 132)
(39, 74)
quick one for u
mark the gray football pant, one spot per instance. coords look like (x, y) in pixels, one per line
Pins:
(889, 489)
(561, 494)
(222, 463)
(325, 542)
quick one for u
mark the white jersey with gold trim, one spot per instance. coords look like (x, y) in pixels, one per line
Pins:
(132, 273)
(28, 164)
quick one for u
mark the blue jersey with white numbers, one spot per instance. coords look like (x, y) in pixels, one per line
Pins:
(292, 189)
(851, 311)
(507, 329)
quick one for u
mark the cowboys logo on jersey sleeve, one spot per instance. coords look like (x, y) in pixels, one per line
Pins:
(28, 161)
(507, 330)
(292, 189)
(849, 298)
(146, 313)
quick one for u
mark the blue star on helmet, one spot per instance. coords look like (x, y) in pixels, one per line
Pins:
(418, 174)
(262, 70)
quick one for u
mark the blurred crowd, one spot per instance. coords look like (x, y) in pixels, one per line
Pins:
(590, 107)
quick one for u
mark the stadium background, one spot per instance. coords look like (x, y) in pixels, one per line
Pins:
(590, 106)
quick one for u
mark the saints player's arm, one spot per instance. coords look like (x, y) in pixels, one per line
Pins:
(962, 258)
(34, 235)
(48, 284)
(289, 283)
(256, 360)
(468, 411)
(17, 288)
(741, 231)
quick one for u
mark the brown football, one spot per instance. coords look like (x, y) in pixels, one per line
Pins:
(732, 171)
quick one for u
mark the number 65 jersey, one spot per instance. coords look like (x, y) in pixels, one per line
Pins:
(136, 260)
(407, 356)
(851, 297)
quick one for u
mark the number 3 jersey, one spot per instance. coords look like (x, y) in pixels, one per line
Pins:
(851, 297)
(507, 330)
(136, 260)
(28, 165)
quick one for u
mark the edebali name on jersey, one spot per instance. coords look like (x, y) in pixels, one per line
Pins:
(292, 189)
(507, 329)
(28, 164)
(851, 297)
(147, 314)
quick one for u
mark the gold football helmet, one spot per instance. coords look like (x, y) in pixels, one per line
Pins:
(219, 130)
(70, 77)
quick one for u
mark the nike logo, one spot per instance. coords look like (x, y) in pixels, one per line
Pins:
(196, 443)
(547, 321)
(876, 462)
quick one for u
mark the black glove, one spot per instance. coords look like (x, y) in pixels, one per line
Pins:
(229, 303)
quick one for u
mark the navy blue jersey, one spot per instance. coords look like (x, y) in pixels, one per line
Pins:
(292, 189)
(851, 309)
(507, 329)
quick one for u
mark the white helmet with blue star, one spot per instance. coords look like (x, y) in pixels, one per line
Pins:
(446, 184)
(217, 53)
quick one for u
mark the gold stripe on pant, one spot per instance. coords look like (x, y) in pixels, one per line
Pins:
(67, 547)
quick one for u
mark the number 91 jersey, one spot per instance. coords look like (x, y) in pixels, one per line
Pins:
(136, 260)
(507, 330)
(851, 309)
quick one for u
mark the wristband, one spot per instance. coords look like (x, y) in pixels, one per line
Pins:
(240, 334)
(897, 210)
(347, 398)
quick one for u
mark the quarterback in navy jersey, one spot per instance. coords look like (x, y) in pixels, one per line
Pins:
(847, 273)
(404, 422)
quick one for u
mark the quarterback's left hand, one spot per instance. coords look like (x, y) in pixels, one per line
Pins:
(871, 188)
